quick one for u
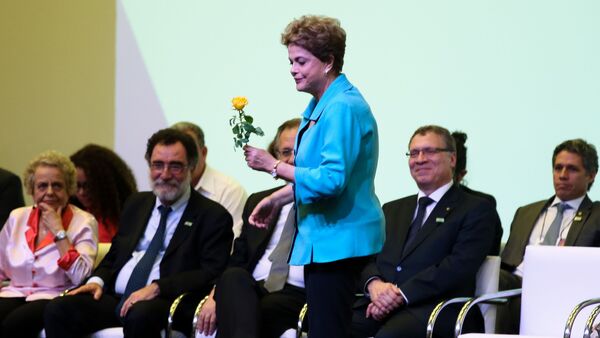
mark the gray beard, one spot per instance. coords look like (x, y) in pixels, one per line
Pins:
(171, 194)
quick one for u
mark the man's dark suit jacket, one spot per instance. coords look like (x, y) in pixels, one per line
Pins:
(11, 194)
(495, 251)
(250, 246)
(584, 231)
(443, 260)
(195, 256)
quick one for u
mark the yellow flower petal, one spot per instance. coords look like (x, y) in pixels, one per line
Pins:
(239, 102)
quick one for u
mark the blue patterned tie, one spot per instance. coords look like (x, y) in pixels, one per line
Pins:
(141, 272)
(554, 229)
(415, 226)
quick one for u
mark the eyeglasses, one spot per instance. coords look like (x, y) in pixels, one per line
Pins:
(174, 167)
(427, 152)
(285, 153)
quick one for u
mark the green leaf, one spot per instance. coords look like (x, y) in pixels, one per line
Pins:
(259, 132)
(236, 129)
(248, 127)
(248, 118)
(238, 143)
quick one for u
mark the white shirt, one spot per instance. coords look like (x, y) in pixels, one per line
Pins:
(436, 196)
(263, 267)
(546, 218)
(225, 191)
(140, 249)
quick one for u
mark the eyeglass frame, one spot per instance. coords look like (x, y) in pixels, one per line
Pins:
(427, 152)
(175, 168)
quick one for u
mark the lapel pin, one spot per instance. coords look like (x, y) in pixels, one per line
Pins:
(439, 220)
(577, 218)
(188, 223)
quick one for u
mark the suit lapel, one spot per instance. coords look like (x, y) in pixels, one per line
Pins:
(530, 218)
(579, 220)
(401, 220)
(437, 218)
(144, 213)
(187, 221)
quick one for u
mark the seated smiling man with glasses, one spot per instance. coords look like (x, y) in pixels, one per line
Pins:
(170, 241)
(435, 242)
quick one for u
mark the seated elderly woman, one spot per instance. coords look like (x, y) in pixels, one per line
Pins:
(45, 248)
(104, 182)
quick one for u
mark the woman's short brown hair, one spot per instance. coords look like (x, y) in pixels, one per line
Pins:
(321, 35)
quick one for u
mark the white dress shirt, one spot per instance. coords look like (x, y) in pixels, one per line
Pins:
(546, 218)
(225, 191)
(436, 196)
(172, 221)
(263, 267)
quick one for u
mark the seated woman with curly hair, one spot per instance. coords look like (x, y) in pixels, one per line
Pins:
(104, 182)
(45, 248)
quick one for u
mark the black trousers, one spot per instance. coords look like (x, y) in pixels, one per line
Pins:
(508, 316)
(245, 309)
(411, 322)
(19, 318)
(78, 315)
(330, 294)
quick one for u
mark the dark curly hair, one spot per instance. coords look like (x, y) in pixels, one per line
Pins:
(110, 181)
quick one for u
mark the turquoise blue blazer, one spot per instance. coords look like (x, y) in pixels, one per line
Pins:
(339, 215)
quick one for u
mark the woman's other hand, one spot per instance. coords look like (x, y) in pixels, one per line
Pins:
(265, 212)
(259, 159)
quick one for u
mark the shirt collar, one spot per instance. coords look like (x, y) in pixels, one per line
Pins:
(437, 195)
(574, 203)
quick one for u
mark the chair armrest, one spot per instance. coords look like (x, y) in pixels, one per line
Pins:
(186, 301)
(300, 320)
(438, 309)
(196, 313)
(589, 324)
(575, 312)
(172, 311)
(490, 298)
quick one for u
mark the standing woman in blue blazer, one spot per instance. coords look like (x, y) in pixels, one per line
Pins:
(339, 218)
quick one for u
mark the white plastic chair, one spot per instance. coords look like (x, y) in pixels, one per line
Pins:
(556, 280)
(486, 282)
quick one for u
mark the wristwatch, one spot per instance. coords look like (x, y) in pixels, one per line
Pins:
(274, 171)
(60, 236)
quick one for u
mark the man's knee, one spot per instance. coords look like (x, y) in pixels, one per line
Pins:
(57, 309)
(235, 276)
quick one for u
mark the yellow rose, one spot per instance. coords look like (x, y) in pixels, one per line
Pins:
(239, 102)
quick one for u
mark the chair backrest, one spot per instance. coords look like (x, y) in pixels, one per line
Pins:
(555, 279)
(487, 282)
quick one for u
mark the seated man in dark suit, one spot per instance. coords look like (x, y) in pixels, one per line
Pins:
(171, 240)
(460, 172)
(253, 299)
(435, 242)
(11, 194)
(567, 218)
